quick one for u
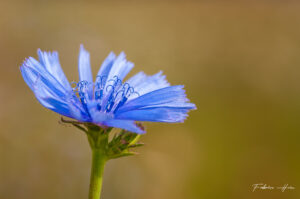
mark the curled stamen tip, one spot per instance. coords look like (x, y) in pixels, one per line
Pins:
(116, 95)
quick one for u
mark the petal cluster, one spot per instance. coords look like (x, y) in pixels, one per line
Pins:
(107, 100)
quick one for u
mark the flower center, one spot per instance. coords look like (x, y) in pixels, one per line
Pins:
(109, 95)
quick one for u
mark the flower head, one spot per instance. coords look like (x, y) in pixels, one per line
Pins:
(108, 100)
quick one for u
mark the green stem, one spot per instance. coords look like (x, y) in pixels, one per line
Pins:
(98, 162)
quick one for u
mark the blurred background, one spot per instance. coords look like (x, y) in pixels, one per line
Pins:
(239, 62)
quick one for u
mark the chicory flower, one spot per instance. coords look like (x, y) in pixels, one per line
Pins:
(108, 100)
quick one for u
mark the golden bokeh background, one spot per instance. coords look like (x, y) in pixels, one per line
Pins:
(239, 62)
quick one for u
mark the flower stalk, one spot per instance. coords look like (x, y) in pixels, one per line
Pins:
(98, 139)
(98, 163)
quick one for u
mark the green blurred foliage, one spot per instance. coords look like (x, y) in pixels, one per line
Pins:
(239, 61)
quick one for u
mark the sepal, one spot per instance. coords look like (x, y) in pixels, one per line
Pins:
(99, 139)
(121, 143)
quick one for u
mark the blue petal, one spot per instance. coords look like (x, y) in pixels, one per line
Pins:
(48, 91)
(51, 63)
(106, 65)
(143, 84)
(40, 70)
(118, 71)
(31, 75)
(172, 96)
(49, 99)
(124, 124)
(28, 76)
(77, 112)
(55, 106)
(120, 68)
(84, 69)
(67, 105)
(155, 115)
(138, 78)
(99, 116)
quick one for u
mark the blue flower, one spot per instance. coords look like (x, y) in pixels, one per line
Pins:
(109, 100)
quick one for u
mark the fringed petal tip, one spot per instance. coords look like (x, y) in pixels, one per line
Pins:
(193, 106)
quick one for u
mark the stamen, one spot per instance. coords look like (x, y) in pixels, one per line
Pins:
(98, 94)
(99, 86)
(121, 103)
(116, 81)
(116, 92)
(80, 89)
(110, 102)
